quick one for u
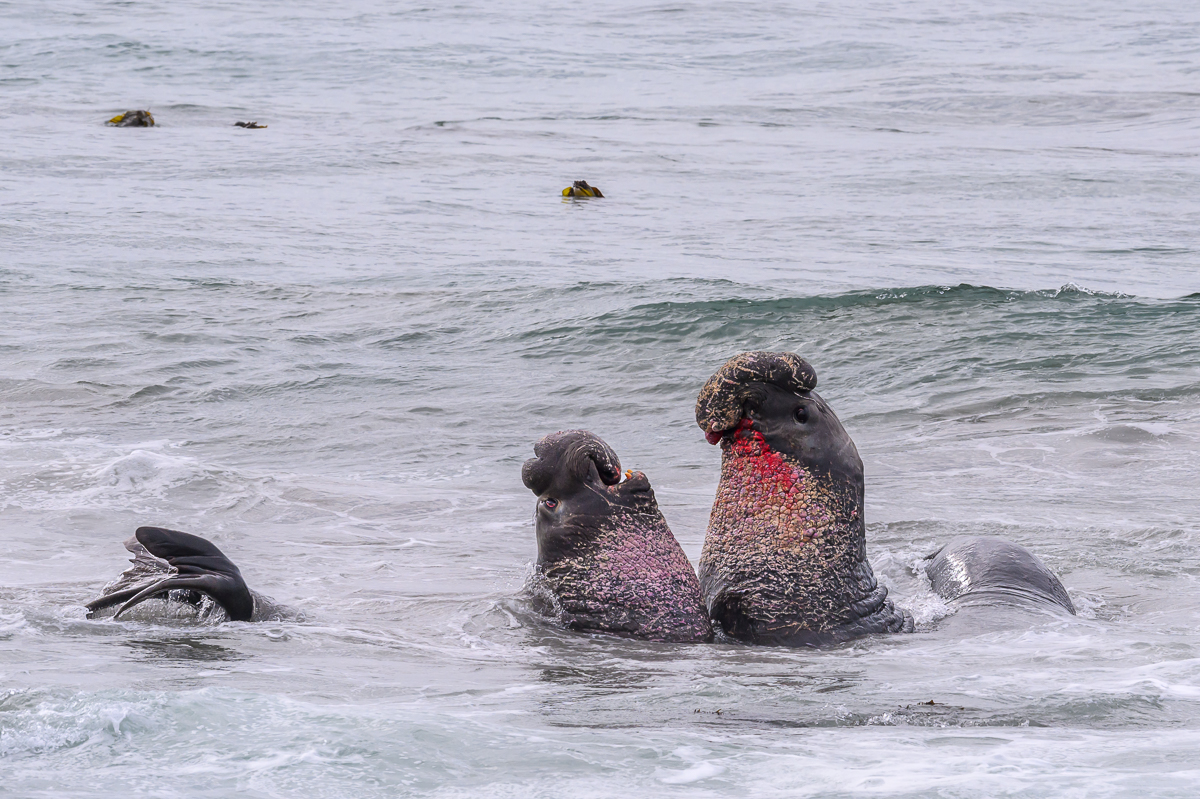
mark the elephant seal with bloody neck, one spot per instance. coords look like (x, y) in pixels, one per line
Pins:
(785, 558)
(605, 553)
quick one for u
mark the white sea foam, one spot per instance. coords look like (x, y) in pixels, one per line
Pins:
(13, 624)
(144, 471)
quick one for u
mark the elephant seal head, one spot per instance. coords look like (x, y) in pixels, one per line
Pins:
(771, 393)
(605, 552)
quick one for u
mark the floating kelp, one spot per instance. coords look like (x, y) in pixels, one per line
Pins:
(132, 119)
(581, 189)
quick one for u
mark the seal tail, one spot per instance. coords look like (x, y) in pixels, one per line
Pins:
(218, 587)
(196, 564)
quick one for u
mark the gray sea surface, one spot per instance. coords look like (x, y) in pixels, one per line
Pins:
(329, 345)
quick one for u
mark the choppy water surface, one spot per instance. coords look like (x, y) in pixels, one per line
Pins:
(329, 345)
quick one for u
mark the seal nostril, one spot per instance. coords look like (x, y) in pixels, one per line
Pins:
(550, 503)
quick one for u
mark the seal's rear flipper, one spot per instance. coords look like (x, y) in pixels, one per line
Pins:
(195, 565)
(222, 589)
(108, 600)
(172, 544)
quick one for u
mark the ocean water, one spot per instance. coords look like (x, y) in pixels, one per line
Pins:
(329, 345)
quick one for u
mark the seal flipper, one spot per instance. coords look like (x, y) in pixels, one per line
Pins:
(221, 588)
(199, 566)
(108, 600)
(989, 566)
(144, 570)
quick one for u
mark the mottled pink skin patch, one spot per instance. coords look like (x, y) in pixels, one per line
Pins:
(785, 556)
(628, 575)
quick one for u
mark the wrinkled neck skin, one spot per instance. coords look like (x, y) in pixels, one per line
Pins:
(784, 559)
(618, 569)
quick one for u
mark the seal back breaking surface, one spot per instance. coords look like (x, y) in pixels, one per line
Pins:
(985, 567)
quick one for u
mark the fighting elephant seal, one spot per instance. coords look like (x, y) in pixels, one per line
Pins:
(182, 568)
(605, 553)
(989, 570)
(784, 559)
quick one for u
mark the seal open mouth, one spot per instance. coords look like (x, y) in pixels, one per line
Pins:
(745, 427)
(635, 488)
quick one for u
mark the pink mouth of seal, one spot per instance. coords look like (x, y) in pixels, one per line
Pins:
(715, 436)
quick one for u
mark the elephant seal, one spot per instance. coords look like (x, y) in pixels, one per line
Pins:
(132, 119)
(181, 567)
(605, 553)
(993, 569)
(785, 560)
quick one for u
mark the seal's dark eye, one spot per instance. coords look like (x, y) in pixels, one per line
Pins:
(550, 503)
(801, 414)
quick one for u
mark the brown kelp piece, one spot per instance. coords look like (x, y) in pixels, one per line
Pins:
(580, 188)
(784, 559)
(132, 119)
(607, 561)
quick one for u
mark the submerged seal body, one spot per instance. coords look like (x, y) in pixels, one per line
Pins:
(184, 568)
(784, 559)
(991, 570)
(605, 553)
